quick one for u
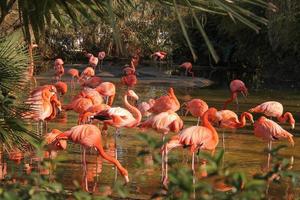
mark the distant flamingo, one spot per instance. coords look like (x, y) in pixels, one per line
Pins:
(75, 74)
(196, 107)
(61, 87)
(236, 86)
(119, 117)
(229, 120)
(165, 103)
(274, 109)
(129, 70)
(188, 68)
(107, 90)
(87, 73)
(93, 61)
(269, 131)
(101, 56)
(88, 136)
(92, 82)
(203, 137)
(159, 55)
(59, 68)
(129, 80)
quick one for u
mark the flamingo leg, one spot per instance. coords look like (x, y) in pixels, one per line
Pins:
(162, 160)
(237, 104)
(193, 163)
(198, 121)
(186, 72)
(85, 169)
(269, 153)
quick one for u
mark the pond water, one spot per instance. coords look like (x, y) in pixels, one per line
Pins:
(243, 149)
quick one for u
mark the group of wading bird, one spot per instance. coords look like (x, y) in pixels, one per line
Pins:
(94, 105)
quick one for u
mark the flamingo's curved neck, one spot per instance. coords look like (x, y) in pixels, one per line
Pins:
(173, 96)
(243, 117)
(232, 97)
(208, 125)
(136, 113)
(285, 117)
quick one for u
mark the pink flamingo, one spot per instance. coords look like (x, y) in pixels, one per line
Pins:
(92, 82)
(87, 73)
(129, 80)
(269, 131)
(119, 117)
(101, 56)
(74, 74)
(88, 135)
(229, 120)
(164, 122)
(107, 90)
(145, 106)
(43, 103)
(159, 55)
(203, 137)
(188, 68)
(93, 61)
(274, 109)
(196, 107)
(236, 86)
(59, 68)
(165, 103)
(61, 87)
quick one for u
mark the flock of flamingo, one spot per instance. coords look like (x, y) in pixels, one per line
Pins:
(94, 105)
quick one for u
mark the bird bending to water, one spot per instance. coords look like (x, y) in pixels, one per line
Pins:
(236, 86)
(88, 135)
(274, 109)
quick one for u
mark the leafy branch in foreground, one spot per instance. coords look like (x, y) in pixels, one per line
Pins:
(14, 69)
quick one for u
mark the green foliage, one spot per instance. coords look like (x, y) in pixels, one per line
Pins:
(14, 69)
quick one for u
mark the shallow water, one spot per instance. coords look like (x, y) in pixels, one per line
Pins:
(242, 148)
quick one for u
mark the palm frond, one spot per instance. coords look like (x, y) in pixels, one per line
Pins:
(14, 62)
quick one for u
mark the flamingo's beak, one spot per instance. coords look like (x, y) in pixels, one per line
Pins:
(126, 179)
(293, 126)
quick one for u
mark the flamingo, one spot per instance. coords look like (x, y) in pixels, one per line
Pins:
(274, 109)
(203, 137)
(164, 122)
(145, 106)
(92, 94)
(43, 103)
(61, 87)
(92, 110)
(92, 82)
(129, 69)
(196, 107)
(159, 55)
(119, 117)
(93, 61)
(108, 90)
(74, 74)
(165, 103)
(236, 86)
(59, 68)
(88, 135)
(188, 68)
(87, 73)
(269, 131)
(129, 80)
(101, 56)
(229, 120)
